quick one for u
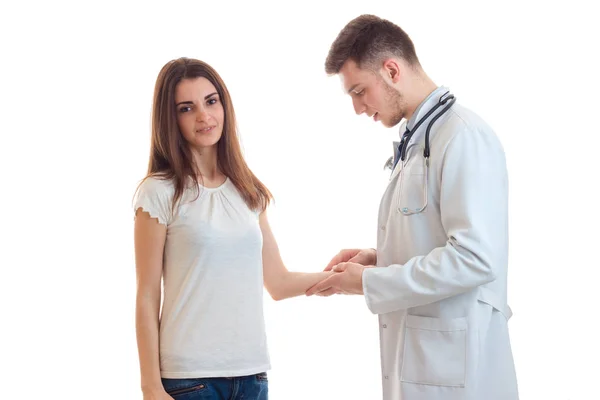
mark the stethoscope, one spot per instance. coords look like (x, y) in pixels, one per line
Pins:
(446, 101)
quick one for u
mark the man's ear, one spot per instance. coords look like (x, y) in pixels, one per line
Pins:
(391, 69)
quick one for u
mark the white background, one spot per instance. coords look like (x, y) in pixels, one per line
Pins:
(75, 96)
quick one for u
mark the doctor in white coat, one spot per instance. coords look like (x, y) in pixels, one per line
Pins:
(438, 277)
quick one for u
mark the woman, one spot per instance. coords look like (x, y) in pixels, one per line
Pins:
(202, 227)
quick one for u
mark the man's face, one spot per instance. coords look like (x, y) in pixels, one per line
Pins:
(372, 95)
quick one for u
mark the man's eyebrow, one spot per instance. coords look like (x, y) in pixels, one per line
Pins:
(352, 88)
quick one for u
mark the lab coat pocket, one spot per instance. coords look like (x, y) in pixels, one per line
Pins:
(412, 198)
(435, 351)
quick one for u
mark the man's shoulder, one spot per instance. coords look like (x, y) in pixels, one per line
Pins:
(463, 128)
(467, 119)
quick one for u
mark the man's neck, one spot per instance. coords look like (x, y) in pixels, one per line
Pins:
(421, 88)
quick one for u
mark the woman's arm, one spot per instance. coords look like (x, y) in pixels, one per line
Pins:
(281, 283)
(149, 239)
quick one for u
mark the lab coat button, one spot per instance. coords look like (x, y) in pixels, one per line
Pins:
(384, 325)
(382, 227)
(386, 377)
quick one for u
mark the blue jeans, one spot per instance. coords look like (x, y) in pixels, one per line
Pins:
(253, 387)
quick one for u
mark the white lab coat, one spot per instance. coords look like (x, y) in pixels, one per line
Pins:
(440, 283)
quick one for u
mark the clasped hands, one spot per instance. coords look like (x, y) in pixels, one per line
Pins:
(348, 266)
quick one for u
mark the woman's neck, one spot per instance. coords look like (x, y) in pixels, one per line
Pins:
(205, 161)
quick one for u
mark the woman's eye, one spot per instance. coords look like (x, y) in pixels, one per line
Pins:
(212, 101)
(185, 109)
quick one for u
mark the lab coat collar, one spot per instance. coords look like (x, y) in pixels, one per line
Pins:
(421, 110)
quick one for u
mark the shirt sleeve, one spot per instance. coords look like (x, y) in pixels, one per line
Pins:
(154, 197)
(473, 208)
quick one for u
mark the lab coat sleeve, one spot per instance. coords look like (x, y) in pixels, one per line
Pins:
(473, 209)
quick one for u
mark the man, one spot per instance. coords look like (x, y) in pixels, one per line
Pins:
(438, 277)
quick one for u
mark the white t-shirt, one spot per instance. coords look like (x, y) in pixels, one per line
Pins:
(212, 321)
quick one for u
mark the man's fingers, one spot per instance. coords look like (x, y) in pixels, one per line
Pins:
(356, 259)
(323, 285)
(343, 256)
(341, 267)
(327, 293)
(334, 261)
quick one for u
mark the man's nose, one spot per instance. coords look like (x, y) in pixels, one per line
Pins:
(359, 106)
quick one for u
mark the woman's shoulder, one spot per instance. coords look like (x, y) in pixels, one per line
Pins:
(157, 184)
(154, 195)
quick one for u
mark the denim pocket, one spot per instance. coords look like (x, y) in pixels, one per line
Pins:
(262, 376)
(180, 387)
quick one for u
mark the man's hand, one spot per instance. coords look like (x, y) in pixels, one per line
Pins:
(347, 280)
(364, 257)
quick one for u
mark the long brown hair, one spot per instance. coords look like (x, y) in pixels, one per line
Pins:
(170, 156)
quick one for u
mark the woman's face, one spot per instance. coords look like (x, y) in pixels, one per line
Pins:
(200, 113)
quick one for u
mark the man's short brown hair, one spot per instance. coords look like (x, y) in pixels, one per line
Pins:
(367, 40)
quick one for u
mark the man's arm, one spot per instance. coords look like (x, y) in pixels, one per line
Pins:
(473, 202)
